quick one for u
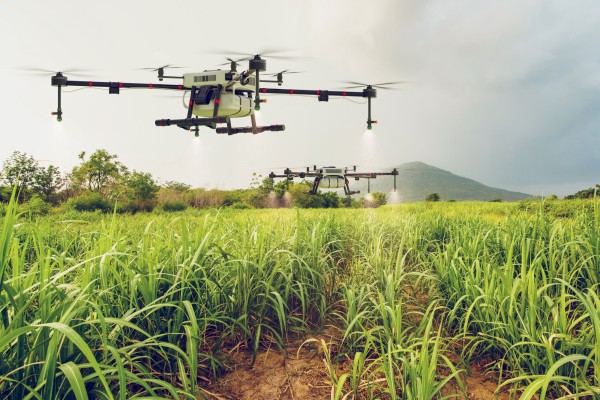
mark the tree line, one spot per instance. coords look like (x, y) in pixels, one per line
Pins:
(101, 182)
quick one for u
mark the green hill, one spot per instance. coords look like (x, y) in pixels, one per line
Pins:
(416, 180)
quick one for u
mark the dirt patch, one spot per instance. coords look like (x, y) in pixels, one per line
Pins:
(481, 385)
(301, 374)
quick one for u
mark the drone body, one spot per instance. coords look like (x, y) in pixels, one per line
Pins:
(333, 178)
(217, 96)
(235, 99)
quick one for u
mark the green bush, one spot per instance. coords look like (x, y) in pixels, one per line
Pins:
(135, 206)
(176, 205)
(35, 206)
(89, 201)
(240, 206)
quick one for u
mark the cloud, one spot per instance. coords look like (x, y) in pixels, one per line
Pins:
(503, 91)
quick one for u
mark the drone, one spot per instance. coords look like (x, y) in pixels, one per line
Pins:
(333, 178)
(218, 96)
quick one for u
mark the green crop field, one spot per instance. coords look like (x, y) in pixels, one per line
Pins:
(96, 306)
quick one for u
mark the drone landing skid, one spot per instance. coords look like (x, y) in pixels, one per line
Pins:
(194, 123)
(249, 129)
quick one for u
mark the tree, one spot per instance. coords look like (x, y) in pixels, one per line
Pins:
(433, 197)
(376, 199)
(47, 182)
(20, 170)
(330, 200)
(302, 198)
(141, 191)
(175, 186)
(281, 187)
(142, 186)
(99, 173)
(588, 193)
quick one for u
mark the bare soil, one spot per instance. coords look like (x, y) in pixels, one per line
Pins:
(302, 374)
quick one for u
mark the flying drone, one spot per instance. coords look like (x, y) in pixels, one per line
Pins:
(333, 178)
(218, 96)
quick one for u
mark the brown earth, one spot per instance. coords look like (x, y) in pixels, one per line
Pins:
(274, 376)
(302, 374)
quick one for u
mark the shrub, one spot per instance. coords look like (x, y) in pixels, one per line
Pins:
(35, 206)
(89, 201)
(432, 197)
(240, 206)
(176, 205)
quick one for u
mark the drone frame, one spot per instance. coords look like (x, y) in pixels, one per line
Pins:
(256, 65)
(319, 173)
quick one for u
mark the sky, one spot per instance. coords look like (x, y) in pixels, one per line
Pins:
(506, 92)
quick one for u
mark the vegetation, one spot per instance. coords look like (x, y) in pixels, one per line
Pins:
(148, 305)
(433, 197)
(588, 193)
(102, 183)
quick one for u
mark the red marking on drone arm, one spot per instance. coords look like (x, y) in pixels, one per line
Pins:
(291, 91)
(344, 93)
(190, 103)
(149, 86)
(318, 92)
(120, 84)
(218, 120)
(179, 87)
(217, 101)
(264, 90)
(90, 83)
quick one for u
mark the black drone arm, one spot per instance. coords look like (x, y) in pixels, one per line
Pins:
(372, 175)
(323, 95)
(115, 86)
(291, 175)
(59, 80)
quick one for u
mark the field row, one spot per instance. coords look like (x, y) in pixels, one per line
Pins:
(148, 305)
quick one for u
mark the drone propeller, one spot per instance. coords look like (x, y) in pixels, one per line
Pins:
(285, 71)
(161, 71)
(159, 68)
(269, 53)
(385, 85)
(48, 72)
(234, 63)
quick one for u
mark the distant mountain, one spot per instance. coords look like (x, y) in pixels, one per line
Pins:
(416, 180)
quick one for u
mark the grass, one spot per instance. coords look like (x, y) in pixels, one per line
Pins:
(147, 306)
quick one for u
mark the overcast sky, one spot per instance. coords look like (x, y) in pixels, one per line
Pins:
(506, 92)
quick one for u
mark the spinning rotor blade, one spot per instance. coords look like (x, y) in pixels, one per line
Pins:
(48, 72)
(269, 53)
(374, 85)
(285, 71)
(237, 62)
(157, 68)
